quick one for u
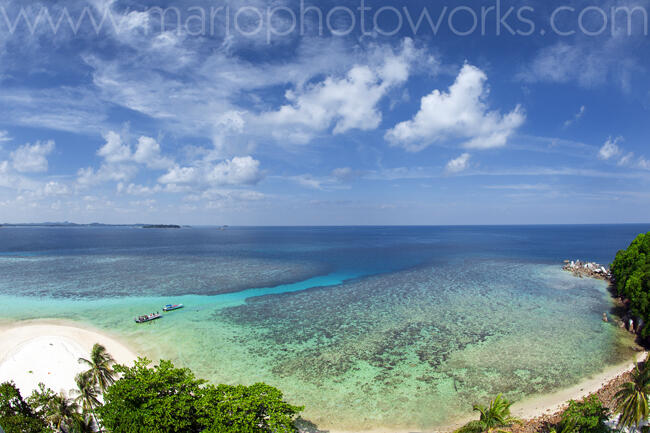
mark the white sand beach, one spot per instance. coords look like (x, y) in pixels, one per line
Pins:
(48, 352)
(551, 403)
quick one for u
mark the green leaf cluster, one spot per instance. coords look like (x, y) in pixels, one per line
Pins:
(587, 416)
(631, 268)
(166, 399)
(493, 418)
(16, 415)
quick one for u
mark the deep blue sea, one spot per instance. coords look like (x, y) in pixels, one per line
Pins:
(368, 327)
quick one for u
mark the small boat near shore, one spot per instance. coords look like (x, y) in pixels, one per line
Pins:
(170, 307)
(147, 318)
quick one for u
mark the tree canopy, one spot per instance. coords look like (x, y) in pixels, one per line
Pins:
(631, 268)
(166, 399)
(16, 415)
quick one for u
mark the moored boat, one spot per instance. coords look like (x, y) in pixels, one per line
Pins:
(170, 307)
(147, 318)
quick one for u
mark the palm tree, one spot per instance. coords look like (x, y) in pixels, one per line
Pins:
(61, 412)
(632, 399)
(87, 393)
(492, 418)
(83, 424)
(100, 370)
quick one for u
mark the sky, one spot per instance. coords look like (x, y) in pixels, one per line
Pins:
(250, 112)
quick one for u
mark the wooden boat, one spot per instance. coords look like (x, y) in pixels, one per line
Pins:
(170, 307)
(147, 318)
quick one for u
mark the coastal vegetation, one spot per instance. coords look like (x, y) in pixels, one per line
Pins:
(632, 399)
(114, 398)
(493, 417)
(587, 416)
(631, 271)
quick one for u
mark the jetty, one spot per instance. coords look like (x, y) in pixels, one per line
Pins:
(587, 269)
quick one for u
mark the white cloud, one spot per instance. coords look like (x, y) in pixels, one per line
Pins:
(10, 179)
(106, 173)
(626, 159)
(345, 174)
(342, 103)
(610, 148)
(55, 188)
(643, 163)
(114, 150)
(4, 136)
(576, 117)
(133, 189)
(307, 181)
(459, 113)
(458, 164)
(32, 158)
(148, 152)
(120, 161)
(521, 187)
(588, 62)
(236, 171)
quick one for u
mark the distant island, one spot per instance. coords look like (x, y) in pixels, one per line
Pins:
(70, 224)
(161, 226)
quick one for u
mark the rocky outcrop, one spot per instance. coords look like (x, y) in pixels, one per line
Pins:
(587, 269)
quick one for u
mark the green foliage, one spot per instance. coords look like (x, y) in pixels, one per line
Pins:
(100, 370)
(160, 399)
(493, 417)
(62, 412)
(166, 399)
(588, 416)
(632, 399)
(631, 268)
(16, 415)
(245, 409)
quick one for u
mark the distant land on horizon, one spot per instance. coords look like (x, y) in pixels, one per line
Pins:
(70, 224)
(150, 225)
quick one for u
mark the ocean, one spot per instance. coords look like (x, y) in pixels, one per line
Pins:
(400, 327)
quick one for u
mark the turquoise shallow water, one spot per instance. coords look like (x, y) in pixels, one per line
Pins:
(374, 327)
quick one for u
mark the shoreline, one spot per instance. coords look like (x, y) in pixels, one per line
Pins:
(47, 351)
(60, 342)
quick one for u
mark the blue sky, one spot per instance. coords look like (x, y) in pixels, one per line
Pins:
(199, 112)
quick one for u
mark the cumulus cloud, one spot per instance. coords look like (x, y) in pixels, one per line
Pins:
(55, 188)
(461, 113)
(114, 150)
(4, 136)
(32, 158)
(147, 152)
(243, 170)
(610, 148)
(459, 164)
(342, 103)
(120, 161)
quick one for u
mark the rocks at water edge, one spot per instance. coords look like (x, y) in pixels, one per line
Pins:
(587, 269)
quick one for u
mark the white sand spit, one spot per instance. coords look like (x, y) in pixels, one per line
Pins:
(48, 352)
